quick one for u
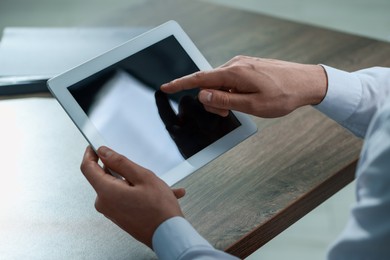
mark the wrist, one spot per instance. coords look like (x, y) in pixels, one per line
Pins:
(316, 84)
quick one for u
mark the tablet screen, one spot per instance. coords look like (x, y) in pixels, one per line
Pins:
(135, 118)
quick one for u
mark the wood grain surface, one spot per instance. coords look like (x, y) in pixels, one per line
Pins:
(250, 194)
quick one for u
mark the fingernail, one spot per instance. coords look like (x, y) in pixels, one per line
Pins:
(104, 152)
(205, 96)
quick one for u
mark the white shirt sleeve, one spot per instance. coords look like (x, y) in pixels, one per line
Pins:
(353, 98)
(176, 239)
(367, 233)
(360, 101)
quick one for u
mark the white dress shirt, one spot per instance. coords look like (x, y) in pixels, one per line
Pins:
(359, 101)
(367, 233)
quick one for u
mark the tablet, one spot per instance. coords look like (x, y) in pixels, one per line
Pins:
(115, 101)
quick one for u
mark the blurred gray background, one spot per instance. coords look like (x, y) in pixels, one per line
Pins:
(310, 236)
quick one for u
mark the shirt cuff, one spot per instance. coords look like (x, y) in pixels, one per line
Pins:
(343, 95)
(174, 237)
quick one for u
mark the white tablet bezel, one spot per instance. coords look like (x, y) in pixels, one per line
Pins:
(59, 88)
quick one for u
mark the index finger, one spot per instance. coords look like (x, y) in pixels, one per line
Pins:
(215, 79)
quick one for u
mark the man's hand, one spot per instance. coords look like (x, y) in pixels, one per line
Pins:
(261, 87)
(139, 202)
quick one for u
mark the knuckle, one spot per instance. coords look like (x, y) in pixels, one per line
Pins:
(236, 70)
(239, 57)
(120, 161)
(98, 205)
(241, 64)
(199, 76)
(240, 68)
(236, 59)
(149, 176)
(84, 166)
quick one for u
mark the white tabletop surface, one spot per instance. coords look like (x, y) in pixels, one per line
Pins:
(46, 205)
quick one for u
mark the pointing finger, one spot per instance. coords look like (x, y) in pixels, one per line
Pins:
(215, 78)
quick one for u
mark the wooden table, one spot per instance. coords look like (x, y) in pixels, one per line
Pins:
(238, 202)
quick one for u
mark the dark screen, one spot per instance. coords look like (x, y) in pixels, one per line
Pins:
(135, 118)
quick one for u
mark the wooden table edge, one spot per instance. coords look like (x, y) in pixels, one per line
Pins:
(292, 213)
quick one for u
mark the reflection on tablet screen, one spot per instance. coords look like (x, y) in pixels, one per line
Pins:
(135, 118)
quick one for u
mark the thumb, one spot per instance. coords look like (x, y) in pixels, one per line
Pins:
(179, 193)
(118, 163)
(223, 100)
